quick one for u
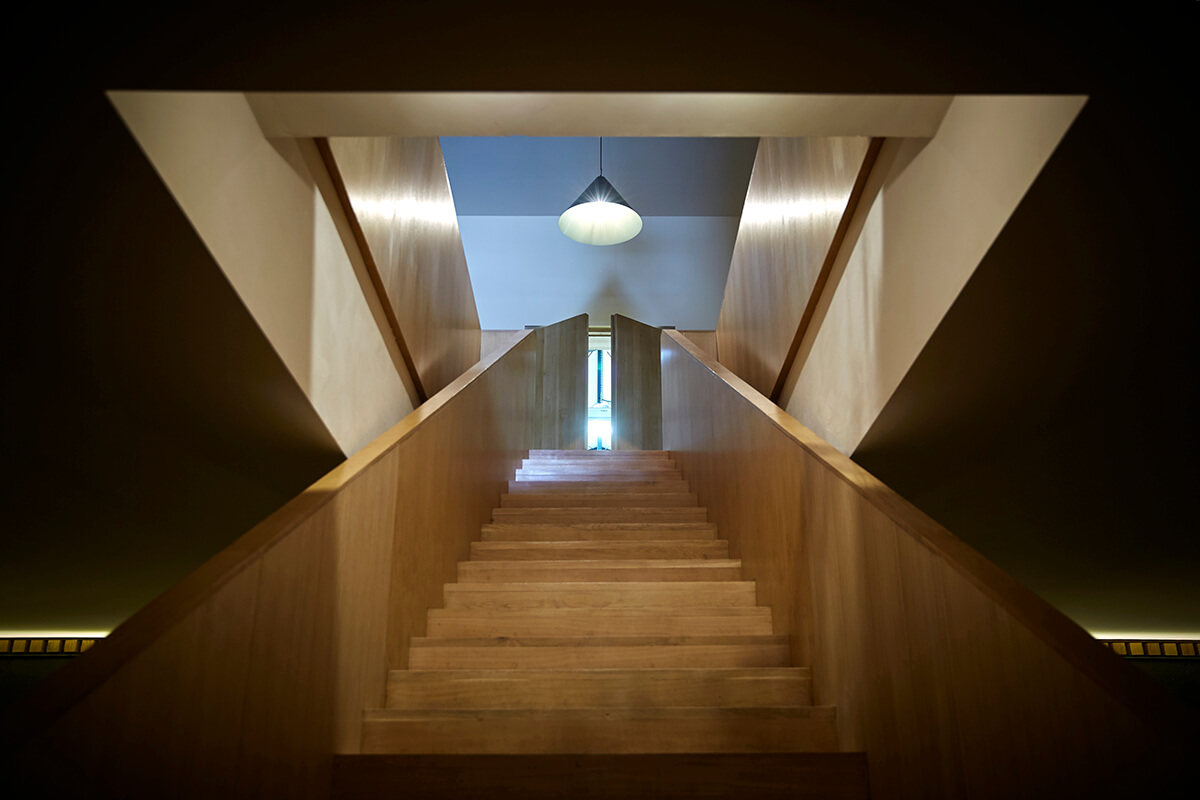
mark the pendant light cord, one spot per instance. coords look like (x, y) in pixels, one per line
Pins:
(601, 155)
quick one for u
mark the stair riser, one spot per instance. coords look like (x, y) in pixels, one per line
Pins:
(599, 456)
(599, 453)
(647, 473)
(615, 464)
(600, 736)
(599, 624)
(569, 515)
(600, 614)
(571, 572)
(650, 657)
(604, 477)
(534, 532)
(503, 689)
(598, 487)
(598, 500)
(545, 551)
(509, 597)
(773, 776)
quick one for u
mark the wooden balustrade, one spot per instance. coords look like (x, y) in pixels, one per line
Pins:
(955, 680)
(248, 676)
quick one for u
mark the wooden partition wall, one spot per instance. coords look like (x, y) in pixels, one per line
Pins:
(246, 678)
(798, 204)
(955, 680)
(404, 218)
(636, 385)
(560, 421)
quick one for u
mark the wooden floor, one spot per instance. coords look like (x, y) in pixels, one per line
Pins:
(599, 615)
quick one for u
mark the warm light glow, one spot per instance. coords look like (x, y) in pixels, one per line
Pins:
(794, 209)
(1147, 637)
(600, 433)
(600, 222)
(53, 634)
(402, 208)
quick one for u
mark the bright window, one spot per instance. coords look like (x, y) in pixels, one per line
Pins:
(599, 433)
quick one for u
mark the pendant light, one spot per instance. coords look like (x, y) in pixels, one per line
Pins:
(600, 215)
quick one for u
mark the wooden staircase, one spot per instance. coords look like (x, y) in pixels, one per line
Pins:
(600, 614)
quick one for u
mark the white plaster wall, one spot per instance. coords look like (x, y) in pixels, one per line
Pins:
(942, 205)
(254, 204)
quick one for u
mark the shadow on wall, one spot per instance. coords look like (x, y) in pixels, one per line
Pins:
(153, 421)
(1049, 419)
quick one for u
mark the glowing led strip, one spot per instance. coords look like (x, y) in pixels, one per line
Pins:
(48, 645)
(1155, 648)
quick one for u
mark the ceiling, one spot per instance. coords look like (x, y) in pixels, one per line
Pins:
(509, 192)
(539, 176)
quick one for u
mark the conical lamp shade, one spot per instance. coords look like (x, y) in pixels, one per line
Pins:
(600, 216)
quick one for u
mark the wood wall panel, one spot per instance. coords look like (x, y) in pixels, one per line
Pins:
(794, 205)
(247, 677)
(636, 385)
(705, 340)
(401, 199)
(955, 680)
(451, 477)
(562, 381)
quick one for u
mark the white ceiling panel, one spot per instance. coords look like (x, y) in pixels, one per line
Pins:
(538, 176)
(509, 192)
(525, 272)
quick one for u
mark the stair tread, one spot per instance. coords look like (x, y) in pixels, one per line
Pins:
(608, 714)
(602, 641)
(616, 563)
(627, 587)
(753, 612)
(598, 499)
(608, 476)
(615, 651)
(592, 570)
(649, 471)
(603, 730)
(516, 531)
(595, 688)
(655, 621)
(599, 594)
(598, 453)
(603, 673)
(599, 613)
(607, 514)
(593, 549)
(763, 776)
(599, 487)
(663, 511)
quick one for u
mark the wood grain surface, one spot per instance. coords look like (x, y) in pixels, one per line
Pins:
(561, 416)
(954, 679)
(636, 386)
(400, 197)
(794, 205)
(246, 678)
(764, 776)
(705, 340)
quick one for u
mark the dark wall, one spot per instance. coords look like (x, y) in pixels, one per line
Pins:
(106, 268)
(147, 420)
(1050, 420)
